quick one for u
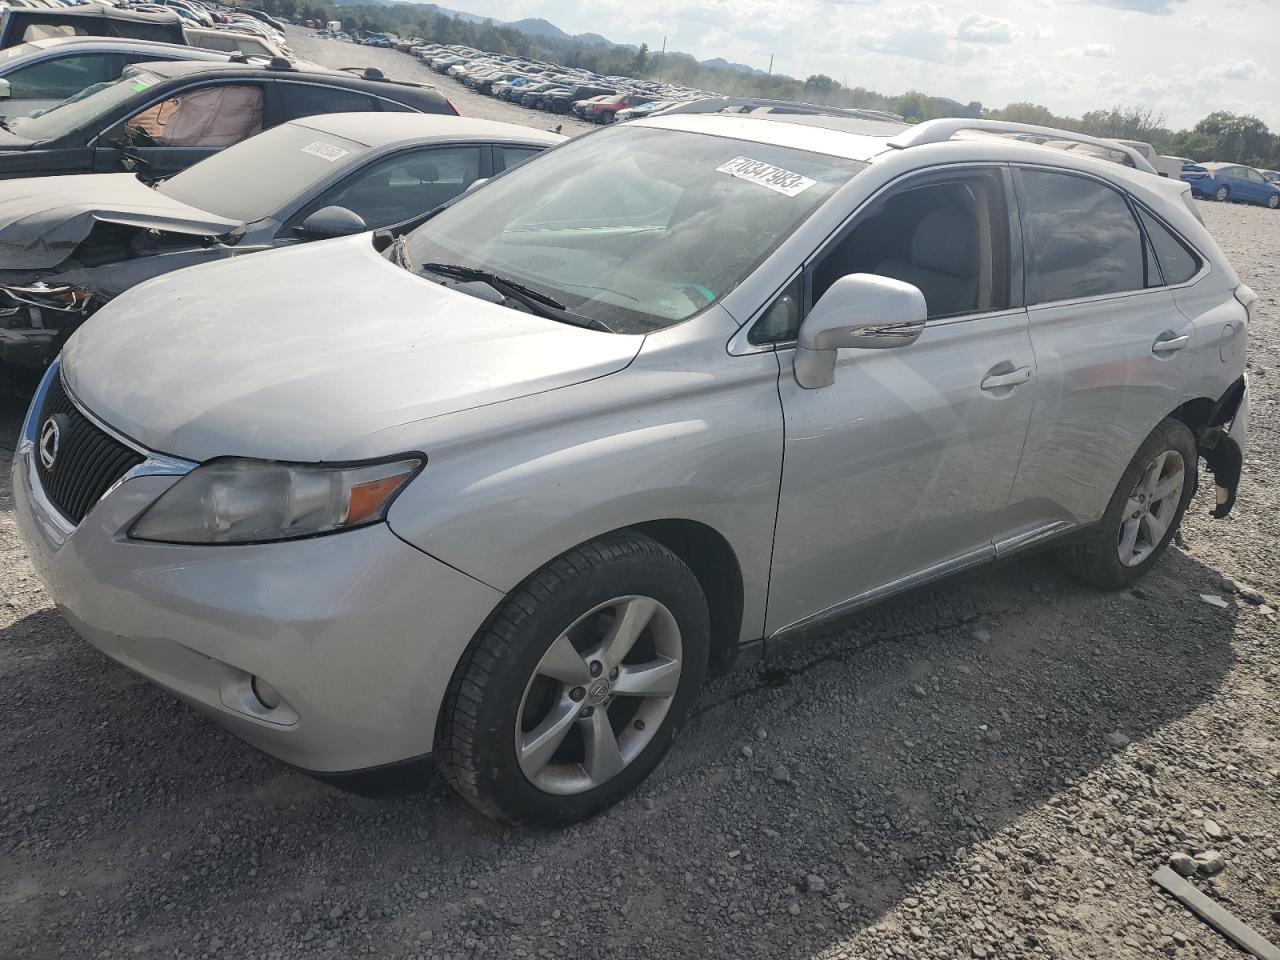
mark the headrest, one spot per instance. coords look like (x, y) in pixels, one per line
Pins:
(945, 243)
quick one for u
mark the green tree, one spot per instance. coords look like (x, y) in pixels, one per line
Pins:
(1027, 113)
(1240, 138)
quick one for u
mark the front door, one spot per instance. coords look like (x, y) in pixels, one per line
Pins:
(1112, 347)
(170, 135)
(901, 468)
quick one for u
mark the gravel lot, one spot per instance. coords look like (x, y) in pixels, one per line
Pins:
(401, 66)
(990, 769)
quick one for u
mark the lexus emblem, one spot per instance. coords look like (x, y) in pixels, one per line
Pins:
(50, 440)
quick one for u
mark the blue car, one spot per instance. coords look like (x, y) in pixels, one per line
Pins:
(1231, 181)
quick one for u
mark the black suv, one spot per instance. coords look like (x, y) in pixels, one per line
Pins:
(159, 118)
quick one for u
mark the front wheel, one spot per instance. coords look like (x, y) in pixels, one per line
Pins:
(1143, 514)
(572, 692)
(1221, 194)
(1273, 201)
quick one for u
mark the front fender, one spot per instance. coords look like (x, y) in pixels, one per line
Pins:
(517, 484)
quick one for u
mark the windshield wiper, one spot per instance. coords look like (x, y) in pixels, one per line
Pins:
(535, 300)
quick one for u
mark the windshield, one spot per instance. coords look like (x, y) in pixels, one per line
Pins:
(92, 102)
(258, 176)
(639, 228)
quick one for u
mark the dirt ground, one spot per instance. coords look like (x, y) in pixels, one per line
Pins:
(989, 769)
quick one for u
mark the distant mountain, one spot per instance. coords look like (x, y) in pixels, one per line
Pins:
(537, 27)
(720, 63)
(594, 40)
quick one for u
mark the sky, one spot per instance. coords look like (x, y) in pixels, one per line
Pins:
(1185, 58)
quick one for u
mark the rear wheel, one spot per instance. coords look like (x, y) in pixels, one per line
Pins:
(1221, 194)
(1143, 514)
(1273, 201)
(573, 691)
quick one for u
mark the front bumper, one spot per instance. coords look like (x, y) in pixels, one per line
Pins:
(359, 632)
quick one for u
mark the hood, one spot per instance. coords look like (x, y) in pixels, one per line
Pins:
(296, 353)
(43, 219)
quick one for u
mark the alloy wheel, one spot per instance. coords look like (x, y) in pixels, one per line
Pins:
(1151, 507)
(599, 695)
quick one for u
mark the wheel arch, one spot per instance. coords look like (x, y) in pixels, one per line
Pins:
(715, 565)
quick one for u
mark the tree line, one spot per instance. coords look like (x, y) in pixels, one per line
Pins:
(1221, 135)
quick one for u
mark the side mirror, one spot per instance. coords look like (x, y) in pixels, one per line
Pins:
(5, 90)
(333, 221)
(859, 310)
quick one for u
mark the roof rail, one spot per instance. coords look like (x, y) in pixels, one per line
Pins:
(938, 131)
(747, 104)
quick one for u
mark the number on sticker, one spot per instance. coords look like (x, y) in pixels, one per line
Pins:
(766, 175)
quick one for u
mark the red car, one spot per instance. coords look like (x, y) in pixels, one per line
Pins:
(606, 110)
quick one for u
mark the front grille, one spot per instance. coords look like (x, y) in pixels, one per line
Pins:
(86, 461)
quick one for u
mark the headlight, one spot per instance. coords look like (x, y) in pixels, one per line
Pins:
(245, 501)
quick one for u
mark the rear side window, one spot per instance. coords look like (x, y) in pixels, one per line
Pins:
(509, 156)
(1177, 263)
(297, 100)
(1079, 239)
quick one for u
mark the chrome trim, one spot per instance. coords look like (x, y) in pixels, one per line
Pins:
(911, 580)
(1030, 538)
(155, 464)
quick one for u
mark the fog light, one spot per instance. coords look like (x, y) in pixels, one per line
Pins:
(267, 695)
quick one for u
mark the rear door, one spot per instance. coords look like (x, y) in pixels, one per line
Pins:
(1112, 347)
(292, 100)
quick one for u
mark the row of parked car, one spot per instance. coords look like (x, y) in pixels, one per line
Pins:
(540, 85)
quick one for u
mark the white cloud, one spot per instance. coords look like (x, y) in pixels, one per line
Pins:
(1234, 70)
(919, 32)
(1043, 33)
(1100, 50)
(980, 28)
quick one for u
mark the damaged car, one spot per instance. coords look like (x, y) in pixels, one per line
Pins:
(159, 118)
(503, 489)
(70, 244)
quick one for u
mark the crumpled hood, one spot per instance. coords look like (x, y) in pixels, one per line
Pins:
(43, 219)
(296, 353)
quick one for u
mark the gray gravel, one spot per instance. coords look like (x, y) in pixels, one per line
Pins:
(401, 66)
(988, 769)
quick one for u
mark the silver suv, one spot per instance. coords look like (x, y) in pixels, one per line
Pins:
(503, 490)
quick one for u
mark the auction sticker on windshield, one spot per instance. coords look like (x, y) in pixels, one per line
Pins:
(325, 151)
(767, 175)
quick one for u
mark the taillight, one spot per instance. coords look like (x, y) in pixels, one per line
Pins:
(453, 106)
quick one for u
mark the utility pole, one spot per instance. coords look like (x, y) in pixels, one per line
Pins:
(771, 64)
(662, 62)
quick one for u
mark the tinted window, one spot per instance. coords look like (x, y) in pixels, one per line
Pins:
(400, 187)
(505, 157)
(1079, 238)
(294, 100)
(1176, 262)
(781, 322)
(59, 79)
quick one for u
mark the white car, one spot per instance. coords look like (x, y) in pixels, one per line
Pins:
(1165, 166)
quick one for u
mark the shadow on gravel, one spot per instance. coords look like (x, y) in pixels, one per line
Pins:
(888, 746)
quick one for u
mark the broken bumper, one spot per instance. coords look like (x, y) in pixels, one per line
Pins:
(1224, 442)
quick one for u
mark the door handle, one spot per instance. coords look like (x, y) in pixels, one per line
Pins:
(995, 381)
(1170, 344)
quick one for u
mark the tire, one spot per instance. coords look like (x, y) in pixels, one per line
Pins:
(1273, 201)
(1221, 194)
(1100, 558)
(501, 686)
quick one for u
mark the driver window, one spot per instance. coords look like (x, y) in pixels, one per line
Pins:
(403, 186)
(949, 239)
(212, 116)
